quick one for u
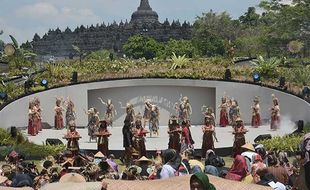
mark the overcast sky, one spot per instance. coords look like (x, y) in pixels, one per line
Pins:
(24, 18)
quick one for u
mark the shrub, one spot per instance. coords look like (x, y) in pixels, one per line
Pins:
(178, 61)
(267, 67)
(285, 143)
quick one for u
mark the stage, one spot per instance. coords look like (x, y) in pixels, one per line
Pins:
(224, 136)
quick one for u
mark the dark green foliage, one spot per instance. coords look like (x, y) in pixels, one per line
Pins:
(140, 46)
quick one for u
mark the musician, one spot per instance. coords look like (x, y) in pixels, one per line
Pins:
(103, 137)
(256, 120)
(275, 113)
(174, 132)
(239, 131)
(72, 137)
(208, 130)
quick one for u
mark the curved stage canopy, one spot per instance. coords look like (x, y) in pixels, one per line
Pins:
(163, 92)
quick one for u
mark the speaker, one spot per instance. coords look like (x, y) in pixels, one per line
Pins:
(53, 141)
(74, 77)
(262, 137)
(13, 131)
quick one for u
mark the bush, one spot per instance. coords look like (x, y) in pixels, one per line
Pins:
(285, 143)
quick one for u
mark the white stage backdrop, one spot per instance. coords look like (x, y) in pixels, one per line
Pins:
(163, 96)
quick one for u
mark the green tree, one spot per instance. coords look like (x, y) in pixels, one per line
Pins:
(250, 18)
(212, 31)
(140, 46)
(180, 48)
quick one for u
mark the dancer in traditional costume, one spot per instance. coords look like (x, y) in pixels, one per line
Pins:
(234, 112)
(73, 137)
(186, 142)
(70, 112)
(154, 121)
(174, 131)
(59, 123)
(110, 111)
(130, 112)
(32, 130)
(223, 113)
(208, 130)
(275, 113)
(127, 140)
(209, 112)
(37, 107)
(92, 123)
(239, 140)
(103, 138)
(147, 112)
(256, 120)
(139, 134)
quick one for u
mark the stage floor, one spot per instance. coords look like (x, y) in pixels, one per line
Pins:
(224, 136)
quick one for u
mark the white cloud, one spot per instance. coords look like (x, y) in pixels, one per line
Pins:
(38, 10)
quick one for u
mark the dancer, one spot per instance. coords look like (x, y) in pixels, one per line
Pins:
(139, 134)
(32, 130)
(209, 112)
(275, 113)
(70, 112)
(186, 137)
(208, 130)
(72, 137)
(110, 111)
(37, 107)
(147, 112)
(223, 113)
(92, 123)
(184, 110)
(59, 123)
(130, 113)
(154, 121)
(127, 140)
(234, 112)
(256, 120)
(239, 140)
(174, 132)
(103, 137)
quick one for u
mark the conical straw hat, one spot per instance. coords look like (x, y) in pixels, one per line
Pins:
(248, 146)
(99, 155)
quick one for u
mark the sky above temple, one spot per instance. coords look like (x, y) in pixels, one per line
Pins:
(24, 18)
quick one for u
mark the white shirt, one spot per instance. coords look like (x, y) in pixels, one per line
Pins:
(167, 171)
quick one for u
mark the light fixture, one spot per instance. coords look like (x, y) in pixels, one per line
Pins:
(44, 83)
(256, 77)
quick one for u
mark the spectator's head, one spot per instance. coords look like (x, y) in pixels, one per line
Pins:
(272, 160)
(200, 181)
(209, 153)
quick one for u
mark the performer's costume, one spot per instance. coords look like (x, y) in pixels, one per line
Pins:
(70, 113)
(208, 130)
(139, 134)
(185, 110)
(147, 112)
(234, 112)
(32, 130)
(174, 132)
(239, 140)
(73, 137)
(59, 123)
(275, 114)
(103, 138)
(154, 120)
(109, 115)
(127, 139)
(186, 137)
(92, 123)
(37, 106)
(256, 120)
(223, 113)
(130, 113)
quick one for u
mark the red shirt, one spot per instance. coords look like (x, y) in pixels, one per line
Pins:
(185, 134)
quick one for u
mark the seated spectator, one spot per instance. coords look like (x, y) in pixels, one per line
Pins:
(171, 161)
(144, 163)
(209, 169)
(21, 179)
(238, 170)
(201, 181)
(214, 160)
(112, 163)
(194, 161)
(248, 153)
(257, 164)
(276, 170)
(267, 179)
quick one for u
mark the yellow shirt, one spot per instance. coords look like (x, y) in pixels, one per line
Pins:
(193, 163)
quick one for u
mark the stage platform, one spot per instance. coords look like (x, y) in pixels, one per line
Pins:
(224, 136)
